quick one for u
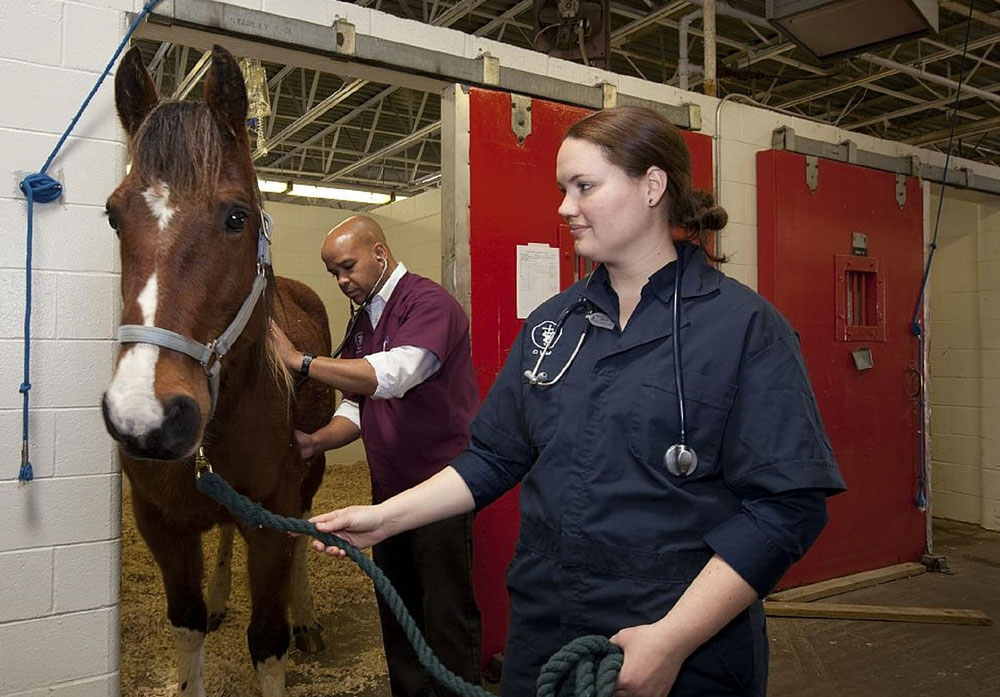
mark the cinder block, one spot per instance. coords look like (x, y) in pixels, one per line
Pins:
(71, 238)
(989, 334)
(739, 243)
(57, 511)
(101, 686)
(28, 85)
(57, 380)
(990, 516)
(739, 163)
(956, 450)
(990, 391)
(37, 649)
(86, 306)
(26, 584)
(756, 125)
(39, 45)
(959, 392)
(734, 199)
(82, 444)
(965, 421)
(989, 272)
(41, 441)
(954, 506)
(989, 363)
(315, 11)
(43, 304)
(84, 576)
(90, 37)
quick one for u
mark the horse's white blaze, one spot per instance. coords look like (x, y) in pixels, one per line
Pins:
(158, 199)
(190, 645)
(271, 673)
(132, 404)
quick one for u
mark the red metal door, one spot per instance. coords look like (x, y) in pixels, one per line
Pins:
(513, 201)
(841, 300)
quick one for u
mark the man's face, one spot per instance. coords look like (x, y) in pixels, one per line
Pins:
(356, 266)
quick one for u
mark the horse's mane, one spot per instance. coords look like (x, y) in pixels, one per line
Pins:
(180, 144)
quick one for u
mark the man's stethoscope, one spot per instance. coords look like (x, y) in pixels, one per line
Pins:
(679, 459)
(356, 313)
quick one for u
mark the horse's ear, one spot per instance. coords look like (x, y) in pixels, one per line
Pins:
(226, 93)
(135, 93)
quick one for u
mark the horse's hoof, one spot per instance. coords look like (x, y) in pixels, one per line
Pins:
(215, 620)
(309, 639)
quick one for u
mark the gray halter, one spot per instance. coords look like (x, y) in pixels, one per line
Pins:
(210, 354)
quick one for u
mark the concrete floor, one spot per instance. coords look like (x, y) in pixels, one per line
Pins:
(838, 658)
(809, 658)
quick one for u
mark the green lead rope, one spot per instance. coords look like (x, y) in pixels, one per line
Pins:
(592, 661)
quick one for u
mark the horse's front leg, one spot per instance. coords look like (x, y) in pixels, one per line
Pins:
(269, 564)
(222, 577)
(178, 554)
(306, 629)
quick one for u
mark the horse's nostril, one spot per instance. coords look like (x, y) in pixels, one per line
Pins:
(180, 424)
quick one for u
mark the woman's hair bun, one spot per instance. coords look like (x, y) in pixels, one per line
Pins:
(707, 215)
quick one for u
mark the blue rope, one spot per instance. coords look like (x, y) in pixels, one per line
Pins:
(44, 189)
(916, 326)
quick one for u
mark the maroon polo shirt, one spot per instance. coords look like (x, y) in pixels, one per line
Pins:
(413, 437)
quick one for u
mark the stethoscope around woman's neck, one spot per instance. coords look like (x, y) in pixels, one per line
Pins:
(356, 313)
(679, 459)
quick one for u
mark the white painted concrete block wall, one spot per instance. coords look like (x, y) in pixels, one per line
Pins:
(59, 553)
(989, 360)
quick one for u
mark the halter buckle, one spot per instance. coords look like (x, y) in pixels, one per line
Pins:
(201, 463)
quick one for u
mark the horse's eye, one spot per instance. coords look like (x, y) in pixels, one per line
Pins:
(236, 220)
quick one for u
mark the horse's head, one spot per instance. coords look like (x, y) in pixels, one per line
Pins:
(188, 216)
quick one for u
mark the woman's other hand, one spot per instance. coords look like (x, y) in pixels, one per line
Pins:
(651, 663)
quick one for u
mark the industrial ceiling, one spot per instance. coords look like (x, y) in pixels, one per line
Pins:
(339, 131)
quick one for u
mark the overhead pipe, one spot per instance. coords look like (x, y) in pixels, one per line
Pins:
(683, 64)
(708, 26)
(930, 77)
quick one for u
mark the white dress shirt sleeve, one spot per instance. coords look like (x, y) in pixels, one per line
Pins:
(350, 410)
(402, 368)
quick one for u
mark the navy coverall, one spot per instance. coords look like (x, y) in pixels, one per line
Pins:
(609, 538)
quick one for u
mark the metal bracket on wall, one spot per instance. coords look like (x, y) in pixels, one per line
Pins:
(784, 138)
(345, 37)
(610, 95)
(520, 116)
(812, 173)
(491, 68)
(901, 190)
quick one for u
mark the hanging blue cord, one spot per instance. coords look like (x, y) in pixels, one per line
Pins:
(916, 326)
(44, 189)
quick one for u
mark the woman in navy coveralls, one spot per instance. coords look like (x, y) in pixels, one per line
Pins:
(671, 568)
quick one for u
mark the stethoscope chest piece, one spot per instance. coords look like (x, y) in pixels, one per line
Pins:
(680, 460)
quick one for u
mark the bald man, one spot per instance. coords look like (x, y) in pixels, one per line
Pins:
(409, 392)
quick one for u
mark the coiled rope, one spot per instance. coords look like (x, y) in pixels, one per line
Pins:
(586, 667)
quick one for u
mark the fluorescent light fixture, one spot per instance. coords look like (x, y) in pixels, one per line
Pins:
(352, 195)
(272, 187)
(834, 29)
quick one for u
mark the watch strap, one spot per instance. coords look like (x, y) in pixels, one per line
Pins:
(307, 359)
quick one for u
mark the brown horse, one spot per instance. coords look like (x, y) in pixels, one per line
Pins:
(195, 266)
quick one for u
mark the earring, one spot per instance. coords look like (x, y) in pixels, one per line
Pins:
(651, 202)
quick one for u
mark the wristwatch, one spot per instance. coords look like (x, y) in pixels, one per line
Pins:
(307, 358)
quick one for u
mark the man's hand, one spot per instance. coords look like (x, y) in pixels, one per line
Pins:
(289, 355)
(307, 444)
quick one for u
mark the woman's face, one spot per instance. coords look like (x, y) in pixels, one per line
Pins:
(607, 211)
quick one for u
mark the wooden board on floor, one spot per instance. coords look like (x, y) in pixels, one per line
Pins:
(884, 613)
(845, 584)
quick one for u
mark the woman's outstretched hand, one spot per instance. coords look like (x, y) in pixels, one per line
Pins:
(362, 526)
